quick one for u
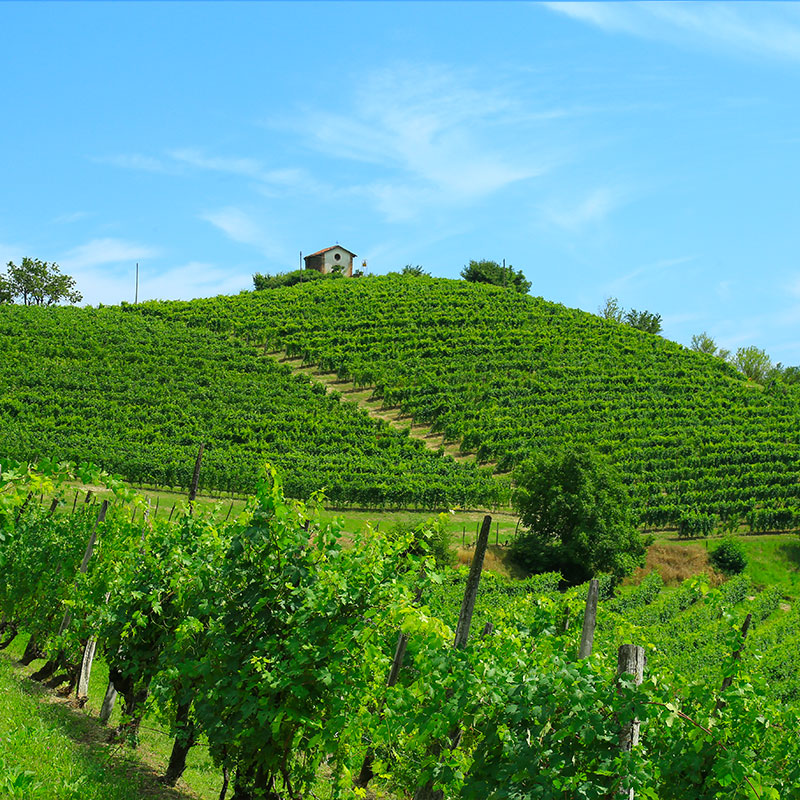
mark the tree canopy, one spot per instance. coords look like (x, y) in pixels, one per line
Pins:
(496, 274)
(645, 321)
(577, 514)
(37, 283)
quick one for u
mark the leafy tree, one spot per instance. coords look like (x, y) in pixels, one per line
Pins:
(577, 513)
(496, 274)
(644, 321)
(753, 363)
(415, 271)
(37, 283)
(703, 343)
(612, 310)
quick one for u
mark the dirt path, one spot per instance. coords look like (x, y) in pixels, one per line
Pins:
(361, 397)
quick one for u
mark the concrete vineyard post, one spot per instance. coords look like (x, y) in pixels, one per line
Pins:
(108, 703)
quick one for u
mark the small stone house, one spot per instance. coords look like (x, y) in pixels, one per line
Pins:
(326, 260)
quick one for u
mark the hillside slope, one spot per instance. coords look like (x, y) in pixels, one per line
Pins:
(504, 374)
(138, 394)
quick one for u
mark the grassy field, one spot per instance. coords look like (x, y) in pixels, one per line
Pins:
(51, 751)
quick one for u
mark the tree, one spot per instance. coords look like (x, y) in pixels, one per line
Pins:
(703, 343)
(496, 274)
(37, 283)
(612, 310)
(415, 272)
(644, 321)
(753, 363)
(577, 514)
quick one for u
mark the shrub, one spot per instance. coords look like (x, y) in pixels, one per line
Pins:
(729, 558)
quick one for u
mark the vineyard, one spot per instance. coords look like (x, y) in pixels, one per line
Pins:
(139, 394)
(312, 669)
(504, 374)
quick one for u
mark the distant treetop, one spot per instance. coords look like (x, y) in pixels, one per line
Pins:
(496, 274)
(37, 283)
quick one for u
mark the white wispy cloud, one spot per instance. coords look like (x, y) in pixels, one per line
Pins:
(241, 227)
(757, 28)
(68, 219)
(194, 279)
(105, 251)
(653, 268)
(437, 137)
(592, 208)
(135, 161)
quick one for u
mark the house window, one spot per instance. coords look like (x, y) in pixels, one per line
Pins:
(337, 256)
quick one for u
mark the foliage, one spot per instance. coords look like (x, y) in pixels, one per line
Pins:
(496, 274)
(92, 373)
(267, 281)
(692, 523)
(645, 321)
(753, 363)
(427, 538)
(611, 309)
(296, 644)
(641, 320)
(415, 271)
(703, 343)
(577, 513)
(282, 638)
(729, 556)
(500, 373)
(38, 283)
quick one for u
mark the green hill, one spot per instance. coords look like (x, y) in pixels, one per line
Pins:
(137, 394)
(504, 374)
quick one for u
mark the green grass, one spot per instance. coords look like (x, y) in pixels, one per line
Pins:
(49, 750)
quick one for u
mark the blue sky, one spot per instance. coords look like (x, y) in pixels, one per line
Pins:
(646, 151)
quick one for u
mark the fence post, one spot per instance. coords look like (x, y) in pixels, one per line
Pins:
(630, 661)
(727, 681)
(589, 620)
(195, 477)
(427, 792)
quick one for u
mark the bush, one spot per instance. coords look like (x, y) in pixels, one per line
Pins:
(261, 282)
(430, 537)
(729, 558)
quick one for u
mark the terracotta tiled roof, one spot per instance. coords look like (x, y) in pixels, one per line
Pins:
(326, 249)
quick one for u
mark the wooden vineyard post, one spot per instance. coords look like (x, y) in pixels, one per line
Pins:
(195, 478)
(53, 507)
(365, 775)
(630, 661)
(427, 792)
(23, 508)
(589, 620)
(88, 497)
(172, 511)
(728, 680)
(75, 501)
